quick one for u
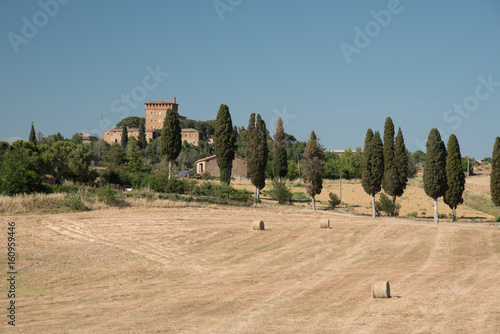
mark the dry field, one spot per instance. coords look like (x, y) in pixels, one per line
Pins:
(201, 269)
(413, 200)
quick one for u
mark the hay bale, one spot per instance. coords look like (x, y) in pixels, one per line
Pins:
(324, 223)
(381, 289)
(257, 225)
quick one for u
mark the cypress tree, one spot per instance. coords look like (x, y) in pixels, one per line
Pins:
(124, 137)
(401, 163)
(142, 142)
(250, 147)
(373, 165)
(280, 161)
(454, 175)
(260, 155)
(224, 143)
(435, 183)
(312, 167)
(32, 138)
(171, 141)
(495, 173)
(390, 180)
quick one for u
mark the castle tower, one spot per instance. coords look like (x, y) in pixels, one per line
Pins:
(156, 111)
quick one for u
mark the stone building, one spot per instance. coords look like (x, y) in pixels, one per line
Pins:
(156, 111)
(155, 114)
(192, 136)
(209, 165)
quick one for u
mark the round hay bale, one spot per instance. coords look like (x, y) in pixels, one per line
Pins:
(324, 223)
(381, 289)
(257, 225)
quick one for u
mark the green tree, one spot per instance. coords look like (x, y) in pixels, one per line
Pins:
(171, 141)
(419, 157)
(124, 137)
(260, 155)
(390, 180)
(17, 173)
(435, 182)
(32, 138)
(280, 165)
(313, 169)
(134, 161)
(114, 158)
(495, 173)
(142, 142)
(224, 143)
(250, 147)
(401, 164)
(454, 175)
(130, 122)
(373, 166)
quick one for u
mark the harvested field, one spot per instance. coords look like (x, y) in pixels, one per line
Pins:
(201, 269)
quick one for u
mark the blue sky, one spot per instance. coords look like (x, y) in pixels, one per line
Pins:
(429, 64)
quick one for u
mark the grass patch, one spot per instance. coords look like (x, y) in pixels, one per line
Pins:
(483, 204)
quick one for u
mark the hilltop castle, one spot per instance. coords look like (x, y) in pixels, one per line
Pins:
(155, 114)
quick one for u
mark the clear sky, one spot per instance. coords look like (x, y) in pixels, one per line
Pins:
(338, 67)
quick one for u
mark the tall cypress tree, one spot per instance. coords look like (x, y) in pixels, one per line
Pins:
(280, 161)
(124, 137)
(258, 176)
(171, 141)
(32, 138)
(224, 143)
(141, 141)
(373, 165)
(401, 163)
(250, 147)
(313, 167)
(435, 182)
(495, 173)
(390, 180)
(454, 175)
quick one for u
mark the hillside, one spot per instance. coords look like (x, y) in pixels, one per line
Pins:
(201, 269)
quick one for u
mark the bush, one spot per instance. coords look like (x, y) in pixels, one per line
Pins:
(497, 219)
(280, 192)
(384, 204)
(106, 194)
(334, 200)
(442, 216)
(221, 191)
(74, 202)
(412, 214)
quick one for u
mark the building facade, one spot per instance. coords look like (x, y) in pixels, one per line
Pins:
(155, 114)
(209, 165)
(156, 111)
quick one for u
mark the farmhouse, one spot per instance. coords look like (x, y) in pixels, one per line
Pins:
(209, 165)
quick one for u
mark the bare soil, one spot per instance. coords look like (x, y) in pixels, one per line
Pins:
(202, 269)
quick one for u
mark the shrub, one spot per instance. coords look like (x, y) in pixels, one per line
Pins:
(412, 214)
(442, 216)
(334, 200)
(106, 194)
(280, 192)
(497, 219)
(74, 202)
(384, 204)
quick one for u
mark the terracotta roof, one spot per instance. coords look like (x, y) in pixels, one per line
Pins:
(121, 130)
(213, 156)
(189, 130)
(160, 102)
